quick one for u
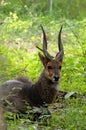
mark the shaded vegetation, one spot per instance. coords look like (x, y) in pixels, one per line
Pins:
(20, 32)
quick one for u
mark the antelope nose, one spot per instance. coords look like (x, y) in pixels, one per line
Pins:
(56, 77)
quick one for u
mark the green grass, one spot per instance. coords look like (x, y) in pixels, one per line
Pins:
(19, 56)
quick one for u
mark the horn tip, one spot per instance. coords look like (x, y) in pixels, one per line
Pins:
(61, 27)
(41, 26)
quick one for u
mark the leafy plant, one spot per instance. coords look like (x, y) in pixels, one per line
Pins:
(20, 32)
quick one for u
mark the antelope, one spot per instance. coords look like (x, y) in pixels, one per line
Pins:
(21, 92)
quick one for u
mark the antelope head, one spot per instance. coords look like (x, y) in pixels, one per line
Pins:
(52, 64)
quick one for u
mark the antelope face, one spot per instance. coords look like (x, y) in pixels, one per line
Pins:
(52, 71)
(52, 68)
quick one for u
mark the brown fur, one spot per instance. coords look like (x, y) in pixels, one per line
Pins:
(23, 92)
(16, 94)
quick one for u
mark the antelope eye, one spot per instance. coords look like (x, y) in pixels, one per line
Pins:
(49, 67)
(60, 67)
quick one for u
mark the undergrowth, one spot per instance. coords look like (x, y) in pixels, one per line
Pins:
(19, 57)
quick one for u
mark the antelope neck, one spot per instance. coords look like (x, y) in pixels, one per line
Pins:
(45, 89)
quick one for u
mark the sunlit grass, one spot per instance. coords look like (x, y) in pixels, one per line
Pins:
(19, 56)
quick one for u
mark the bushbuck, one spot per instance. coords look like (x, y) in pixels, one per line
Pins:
(17, 93)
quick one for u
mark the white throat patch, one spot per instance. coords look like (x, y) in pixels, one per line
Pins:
(55, 86)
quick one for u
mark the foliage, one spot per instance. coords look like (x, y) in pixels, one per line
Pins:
(70, 9)
(19, 34)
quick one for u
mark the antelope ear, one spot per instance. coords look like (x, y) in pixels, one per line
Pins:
(43, 59)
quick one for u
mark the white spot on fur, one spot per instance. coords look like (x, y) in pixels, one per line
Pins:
(12, 81)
